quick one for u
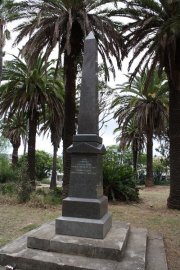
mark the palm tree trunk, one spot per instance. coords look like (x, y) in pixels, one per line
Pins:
(174, 134)
(15, 153)
(149, 182)
(32, 148)
(135, 156)
(54, 170)
(1, 49)
(70, 71)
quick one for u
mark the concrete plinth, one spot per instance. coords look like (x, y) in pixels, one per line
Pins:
(111, 247)
(123, 248)
(84, 227)
(85, 208)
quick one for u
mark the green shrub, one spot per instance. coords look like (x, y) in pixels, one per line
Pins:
(7, 173)
(43, 164)
(160, 172)
(8, 189)
(118, 180)
(24, 186)
(43, 197)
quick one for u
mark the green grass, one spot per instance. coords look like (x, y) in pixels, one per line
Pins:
(150, 213)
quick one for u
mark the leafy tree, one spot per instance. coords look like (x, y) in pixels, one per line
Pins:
(7, 14)
(65, 24)
(153, 34)
(131, 136)
(30, 91)
(119, 183)
(54, 124)
(14, 129)
(3, 144)
(43, 165)
(148, 110)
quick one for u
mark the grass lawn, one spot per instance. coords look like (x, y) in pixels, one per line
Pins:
(150, 213)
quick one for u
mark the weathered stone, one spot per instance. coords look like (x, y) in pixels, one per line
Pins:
(84, 227)
(111, 247)
(84, 212)
(86, 176)
(133, 255)
(89, 94)
(85, 208)
(156, 255)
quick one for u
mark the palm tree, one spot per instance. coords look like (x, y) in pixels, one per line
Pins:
(54, 123)
(14, 129)
(147, 109)
(7, 14)
(131, 136)
(56, 135)
(30, 91)
(154, 35)
(65, 24)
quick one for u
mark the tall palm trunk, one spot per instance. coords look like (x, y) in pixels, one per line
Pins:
(53, 183)
(149, 182)
(135, 156)
(32, 147)
(15, 153)
(1, 48)
(174, 134)
(69, 117)
(70, 73)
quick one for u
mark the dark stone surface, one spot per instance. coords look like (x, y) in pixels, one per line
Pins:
(80, 215)
(88, 116)
(86, 176)
(89, 138)
(112, 247)
(84, 227)
(85, 208)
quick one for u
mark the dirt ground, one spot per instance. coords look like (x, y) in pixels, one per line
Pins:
(151, 212)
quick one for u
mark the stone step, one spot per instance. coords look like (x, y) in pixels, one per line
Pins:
(31, 259)
(135, 254)
(112, 247)
(143, 251)
(156, 255)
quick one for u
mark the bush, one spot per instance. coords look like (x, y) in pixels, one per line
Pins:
(24, 186)
(43, 197)
(7, 173)
(8, 189)
(118, 179)
(43, 164)
(160, 171)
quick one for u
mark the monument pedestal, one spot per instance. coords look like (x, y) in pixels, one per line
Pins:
(85, 210)
(123, 248)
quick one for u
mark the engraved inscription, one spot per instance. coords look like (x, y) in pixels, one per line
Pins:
(83, 167)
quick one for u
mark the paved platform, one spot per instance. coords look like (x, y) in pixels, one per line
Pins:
(111, 247)
(130, 249)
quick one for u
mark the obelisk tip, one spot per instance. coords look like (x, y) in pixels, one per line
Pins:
(90, 35)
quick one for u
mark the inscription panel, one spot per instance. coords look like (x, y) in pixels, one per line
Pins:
(83, 166)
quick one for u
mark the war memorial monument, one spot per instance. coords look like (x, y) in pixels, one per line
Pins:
(85, 237)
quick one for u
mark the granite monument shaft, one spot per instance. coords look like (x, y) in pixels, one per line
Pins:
(85, 210)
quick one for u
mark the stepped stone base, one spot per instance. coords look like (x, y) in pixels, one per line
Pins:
(84, 227)
(111, 247)
(124, 248)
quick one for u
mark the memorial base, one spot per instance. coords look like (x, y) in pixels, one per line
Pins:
(124, 248)
(84, 227)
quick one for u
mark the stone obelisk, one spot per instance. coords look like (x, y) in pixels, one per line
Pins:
(85, 210)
